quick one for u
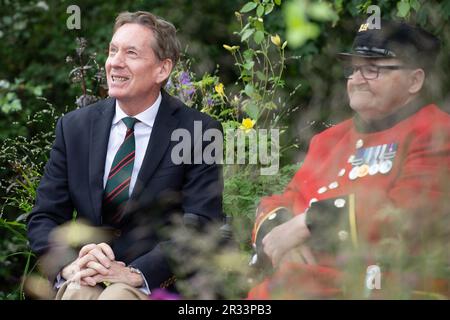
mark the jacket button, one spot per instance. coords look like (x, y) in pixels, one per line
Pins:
(342, 235)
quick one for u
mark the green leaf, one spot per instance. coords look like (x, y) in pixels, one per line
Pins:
(12, 106)
(20, 25)
(259, 24)
(249, 90)
(298, 28)
(37, 91)
(403, 9)
(248, 7)
(258, 37)
(7, 20)
(248, 55)
(249, 65)
(260, 10)
(252, 110)
(298, 36)
(278, 2)
(11, 96)
(261, 76)
(321, 12)
(245, 28)
(270, 105)
(4, 84)
(269, 8)
(247, 34)
(284, 45)
(415, 4)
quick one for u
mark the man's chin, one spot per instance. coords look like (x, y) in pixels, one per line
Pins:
(116, 94)
(363, 110)
(368, 114)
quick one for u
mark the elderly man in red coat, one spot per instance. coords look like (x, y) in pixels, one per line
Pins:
(393, 154)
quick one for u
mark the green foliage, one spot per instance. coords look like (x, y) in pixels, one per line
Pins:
(262, 83)
(88, 73)
(300, 16)
(21, 165)
(9, 99)
(244, 188)
(205, 94)
(12, 96)
(15, 259)
(261, 61)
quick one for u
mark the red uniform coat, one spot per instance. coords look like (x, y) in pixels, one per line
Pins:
(403, 161)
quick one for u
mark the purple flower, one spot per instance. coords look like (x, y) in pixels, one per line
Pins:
(169, 84)
(162, 294)
(188, 92)
(185, 79)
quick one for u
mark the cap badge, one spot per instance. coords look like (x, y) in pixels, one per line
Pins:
(363, 27)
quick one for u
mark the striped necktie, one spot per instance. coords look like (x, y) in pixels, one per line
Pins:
(117, 187)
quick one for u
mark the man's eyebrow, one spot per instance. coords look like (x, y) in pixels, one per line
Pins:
(133, 48)
(111, 44)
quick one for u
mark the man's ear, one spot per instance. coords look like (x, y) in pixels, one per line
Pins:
(417, 78)
(165, 70)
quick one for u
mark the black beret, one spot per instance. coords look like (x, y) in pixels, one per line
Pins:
(394, 39)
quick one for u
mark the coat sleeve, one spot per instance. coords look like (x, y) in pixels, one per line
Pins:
(292, 198)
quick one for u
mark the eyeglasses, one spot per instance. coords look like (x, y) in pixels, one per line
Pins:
(368, 71)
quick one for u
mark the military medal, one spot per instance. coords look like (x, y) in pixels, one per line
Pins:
(387, 156)
(390, 153)
(363, 158)
(363, 170)
(373, 160)
(385, 166)
(373, 169)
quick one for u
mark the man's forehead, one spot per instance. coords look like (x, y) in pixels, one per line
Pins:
(131, 35)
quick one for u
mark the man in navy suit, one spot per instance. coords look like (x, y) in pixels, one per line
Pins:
(111, 163)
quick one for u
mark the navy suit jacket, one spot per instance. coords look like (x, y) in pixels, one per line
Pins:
(73, 180)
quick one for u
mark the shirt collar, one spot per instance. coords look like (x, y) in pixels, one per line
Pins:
(146, 117)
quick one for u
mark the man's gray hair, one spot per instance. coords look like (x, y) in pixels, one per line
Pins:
(166, 44)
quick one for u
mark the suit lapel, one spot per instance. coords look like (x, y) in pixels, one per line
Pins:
(100, 130)
(165, 124)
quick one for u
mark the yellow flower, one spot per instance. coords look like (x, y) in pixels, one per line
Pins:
(276, 40)
(247, 124)
(228, 47)
(231, 49)
(219, 89)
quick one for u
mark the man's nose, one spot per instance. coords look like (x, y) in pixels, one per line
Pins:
(117, 60)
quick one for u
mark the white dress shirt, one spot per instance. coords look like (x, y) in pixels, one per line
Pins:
(142, 132)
